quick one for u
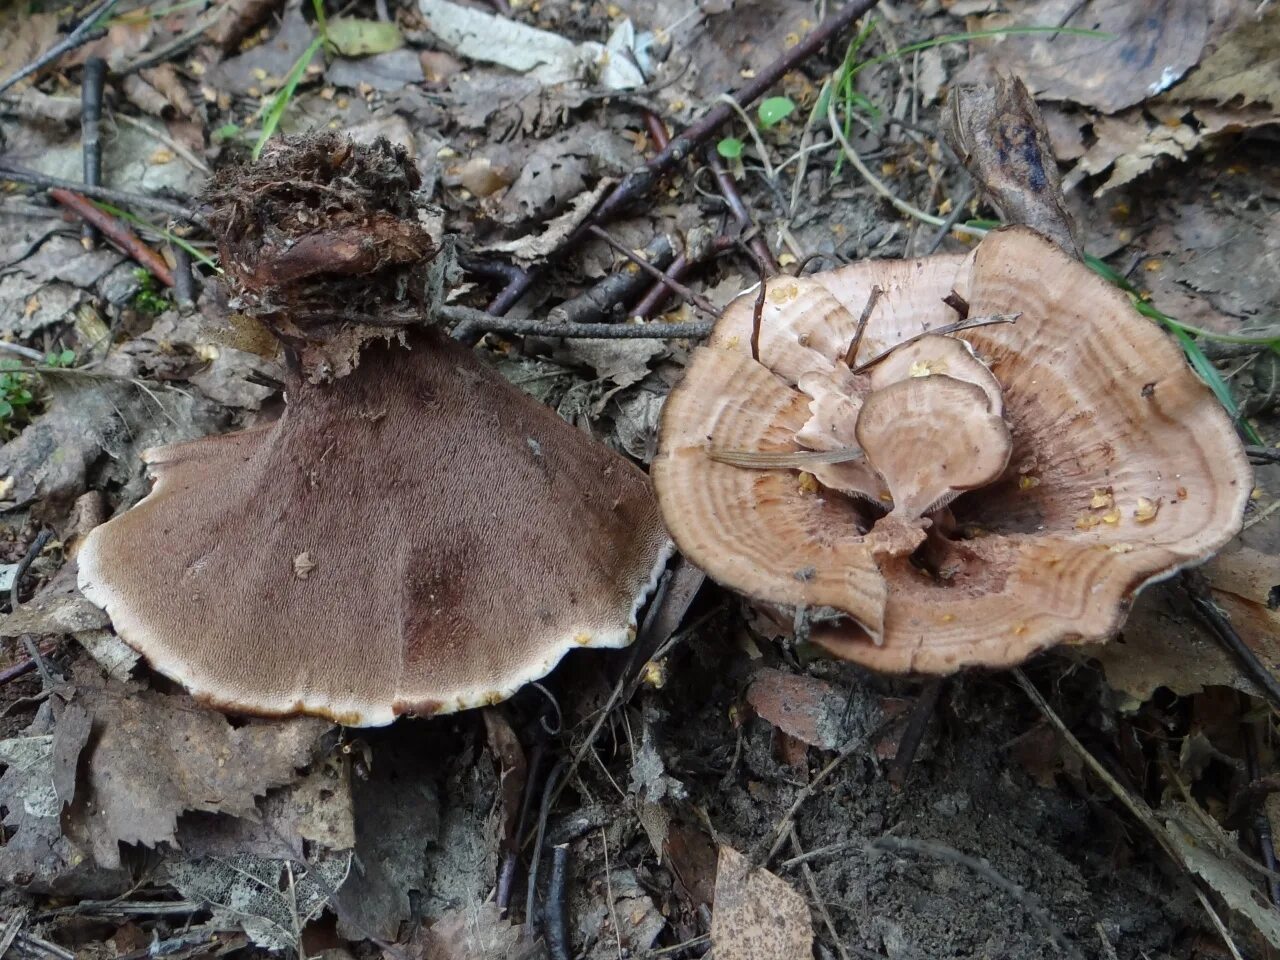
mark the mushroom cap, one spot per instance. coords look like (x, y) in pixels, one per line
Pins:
(956, 442)
(419, 537)
(1100, 407)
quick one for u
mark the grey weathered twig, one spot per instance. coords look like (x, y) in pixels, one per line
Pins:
(33, 651)
(696, 299)
(657, 330)
(91, 88)
(122, 197)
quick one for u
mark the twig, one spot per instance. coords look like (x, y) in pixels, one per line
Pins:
(17, 920)
(82, 34)
(951, 220)
(1263, 454)
(815, 895)
(548, 794)
(938, 332)
(36, 945)
(25, 666)
(25, 352)
(15, 588)
(926, 704)
(982, 867)
(878, 186)
(697, 300)
(122, 198)
(115, 231)
(657, 129)
(1260, 821)
(556, 906)
(507, 876)
(162, 137)
(729, 190)
(1218, 925)
(768, 847)
(95, 75)
(657, 330)
(851, 355)
(612, 290)
(757, 310)
(184, 281)
(639, 181)
(1202, 600)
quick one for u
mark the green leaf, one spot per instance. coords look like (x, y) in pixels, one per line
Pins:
(730, 148)
(353, 37)
(774, 110)
(6, 410)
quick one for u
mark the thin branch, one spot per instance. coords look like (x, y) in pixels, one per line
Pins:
(1254, 669)
(115, 231)
(696, 299)
(122, 198)
(851, 355)
(657, 330)
(938, 332)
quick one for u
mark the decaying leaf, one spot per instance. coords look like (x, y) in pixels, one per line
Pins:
(800, 706)
(356, 37)
(757, 916)
(1205, 850)
(1164, 644)
(317, 808)
(155, 756)
(1243, 67)
(1149, 45)
(23, 37)
(38, 781)
(397, 817)
(272, 900)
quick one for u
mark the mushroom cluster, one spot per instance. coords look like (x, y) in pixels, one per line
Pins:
(415, 537)
(924, 494)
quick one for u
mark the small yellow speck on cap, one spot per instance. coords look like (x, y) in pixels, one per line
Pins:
(1027, 482)
(582, 639)
(1146, 510)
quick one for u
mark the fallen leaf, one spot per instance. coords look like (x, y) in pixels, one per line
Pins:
(474, 932)
(1243, 67)
(397, 818)
(489, 38)
(271, 900)
(155, 756)
(757, 916)
(354, 37)
(1205, 850)
(1152, 43)
(23, 37)
(38, 781)
(800, 706)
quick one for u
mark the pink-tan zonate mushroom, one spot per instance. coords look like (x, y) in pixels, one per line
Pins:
(947, 500)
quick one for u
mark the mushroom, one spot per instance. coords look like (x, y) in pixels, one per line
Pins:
(1035, 474)
(417, 537)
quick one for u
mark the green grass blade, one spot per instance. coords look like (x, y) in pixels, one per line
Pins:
(168, 235)
(271, 119)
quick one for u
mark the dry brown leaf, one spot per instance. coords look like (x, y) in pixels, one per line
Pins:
(155, 756)
(757, 916)
(800, 706)
(1152, 44)
(1163, 643)
(474, 933)
(1132, 142)
(1244, 66)
(23, 37)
